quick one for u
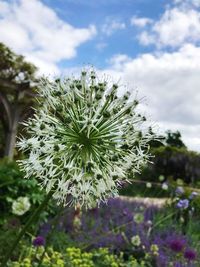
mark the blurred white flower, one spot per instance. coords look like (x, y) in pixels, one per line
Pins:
(148, 185)
(136, 241)
(165, 186)
(21, 205)
(161, 178)
(138, 218)
(84, 140)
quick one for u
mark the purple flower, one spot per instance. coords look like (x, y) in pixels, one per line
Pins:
(178, 264)
(177, 245)
(183, 204)
(190, 254)
(39, 241)
(193, 195)
(179, 190)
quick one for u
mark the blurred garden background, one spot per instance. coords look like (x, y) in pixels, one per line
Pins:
(155, 220)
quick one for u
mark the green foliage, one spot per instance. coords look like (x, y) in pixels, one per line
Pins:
(60, 240)
(73, 257)
(175, 163)
(170, 139)
(196, 204)
(13, 185)
(139, 189)
(8, 234)
(170, 162)
(76, 258)
(174, 139)
(102, 257)
(2, 140)
(13, 67)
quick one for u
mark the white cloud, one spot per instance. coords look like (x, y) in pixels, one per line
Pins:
(145, 38)
(190, 134)
(4, 7)
(118, 60)
(35, 30)
(189, 3)
(170, 82)
(194, 2)
(112, 25)
(140, 21)
(101, 46)
(176, 27)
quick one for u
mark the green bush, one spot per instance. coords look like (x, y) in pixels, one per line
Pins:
(12, 186)
(171, 162)
(73, 257)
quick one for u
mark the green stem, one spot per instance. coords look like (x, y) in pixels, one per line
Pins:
(7, 183)
(161, 221)
(34, 216)
(56, 220)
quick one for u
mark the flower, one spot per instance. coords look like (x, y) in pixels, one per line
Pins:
(165, 186)
(84, 140)
(148, 185)
(154, 249)
(39, 241)
(138, 218)
(193, 195)
(149, 223)
(161, 178)
(135, 241)
(190, 254)
(183, 204)
(179, 190)
(21, 205)
(177, 245)
(98, 226)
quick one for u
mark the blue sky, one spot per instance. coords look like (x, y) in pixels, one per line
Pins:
(153, 46)
(82, 13)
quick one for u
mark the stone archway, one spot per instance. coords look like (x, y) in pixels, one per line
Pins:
(14, 107)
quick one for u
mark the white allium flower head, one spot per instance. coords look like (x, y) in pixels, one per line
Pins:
(84, 139)
(148, 185)
(165, 186)
(21, 205)
(136, 241)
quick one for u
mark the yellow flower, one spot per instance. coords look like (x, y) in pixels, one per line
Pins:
(154, 249)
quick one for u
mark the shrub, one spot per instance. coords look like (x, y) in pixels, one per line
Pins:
(74, 257)
(171, 162)
(19, 197)
(13, 185)
(176, 163)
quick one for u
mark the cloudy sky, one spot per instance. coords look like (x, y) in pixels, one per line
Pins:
(153, 46)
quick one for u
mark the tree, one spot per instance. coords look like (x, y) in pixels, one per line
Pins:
(17, 92)
(169, 139)
(174, 139)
